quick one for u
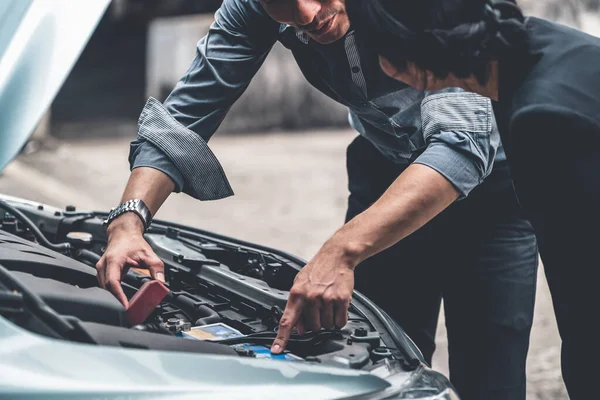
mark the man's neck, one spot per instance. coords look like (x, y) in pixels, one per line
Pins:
(490, 88)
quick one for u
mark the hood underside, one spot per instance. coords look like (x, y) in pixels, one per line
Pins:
(40, 41)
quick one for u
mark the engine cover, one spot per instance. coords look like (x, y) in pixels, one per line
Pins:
(91, 304)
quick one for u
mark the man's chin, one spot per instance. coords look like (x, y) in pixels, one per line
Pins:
(329, 37)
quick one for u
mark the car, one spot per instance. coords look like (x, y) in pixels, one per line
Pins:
(62, 336)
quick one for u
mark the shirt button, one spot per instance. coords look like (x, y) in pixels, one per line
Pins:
(355, 70)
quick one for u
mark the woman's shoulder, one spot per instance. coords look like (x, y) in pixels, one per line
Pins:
(547, 100)
(560, 50)
(565, 75)
(541, 30)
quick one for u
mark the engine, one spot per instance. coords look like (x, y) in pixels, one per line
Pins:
(226, 297)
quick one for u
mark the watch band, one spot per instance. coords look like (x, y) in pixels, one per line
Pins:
(136, 206)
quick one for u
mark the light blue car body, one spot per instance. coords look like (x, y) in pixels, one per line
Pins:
(35, 367)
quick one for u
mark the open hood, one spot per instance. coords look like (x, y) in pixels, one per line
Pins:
(63, 337)
(40, 41)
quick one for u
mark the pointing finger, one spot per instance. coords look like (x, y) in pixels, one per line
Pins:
(288, 321)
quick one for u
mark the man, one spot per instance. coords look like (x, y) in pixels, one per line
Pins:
(409, 162)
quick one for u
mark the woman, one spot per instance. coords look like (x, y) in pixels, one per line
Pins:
(544, 80)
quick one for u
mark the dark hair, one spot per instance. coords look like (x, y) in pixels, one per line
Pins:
(442, 36)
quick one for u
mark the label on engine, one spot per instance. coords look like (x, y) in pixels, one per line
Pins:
(218, 331)
(265, 352)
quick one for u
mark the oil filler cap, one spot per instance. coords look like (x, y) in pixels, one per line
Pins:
(80, 240)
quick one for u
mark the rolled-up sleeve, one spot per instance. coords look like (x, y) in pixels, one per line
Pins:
(178, 131)
(461, 136)
(143, 153)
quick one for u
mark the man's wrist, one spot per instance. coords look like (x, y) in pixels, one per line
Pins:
(349, 252)
(126, 222)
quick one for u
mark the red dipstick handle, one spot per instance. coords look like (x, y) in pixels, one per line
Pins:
(147, 298)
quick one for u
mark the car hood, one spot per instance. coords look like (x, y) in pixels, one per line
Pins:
(40, 42)
(29, 370)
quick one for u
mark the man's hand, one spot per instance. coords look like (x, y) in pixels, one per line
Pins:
(126, 248)
(320, 296)
(126, 245)
(321, 293)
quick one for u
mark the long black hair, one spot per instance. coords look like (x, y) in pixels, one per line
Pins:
(442, 36)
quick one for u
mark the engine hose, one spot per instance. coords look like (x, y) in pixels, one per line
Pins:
(211, 316)
(39, 236)
(88, 256)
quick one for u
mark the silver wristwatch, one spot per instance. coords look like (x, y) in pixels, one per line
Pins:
(137, 206)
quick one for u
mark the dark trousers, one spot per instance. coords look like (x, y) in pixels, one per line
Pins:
(479, 255)
(560, 191)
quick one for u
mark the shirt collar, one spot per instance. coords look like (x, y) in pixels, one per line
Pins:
(302, 36)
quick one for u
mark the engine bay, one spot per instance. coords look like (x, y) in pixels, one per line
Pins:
(225, 296)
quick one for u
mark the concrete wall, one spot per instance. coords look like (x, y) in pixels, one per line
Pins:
(579, 14)
(107, 84)
(278, 97)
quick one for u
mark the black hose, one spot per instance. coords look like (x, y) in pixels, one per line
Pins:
(88, 256)
(211, 316)
(39, 236)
